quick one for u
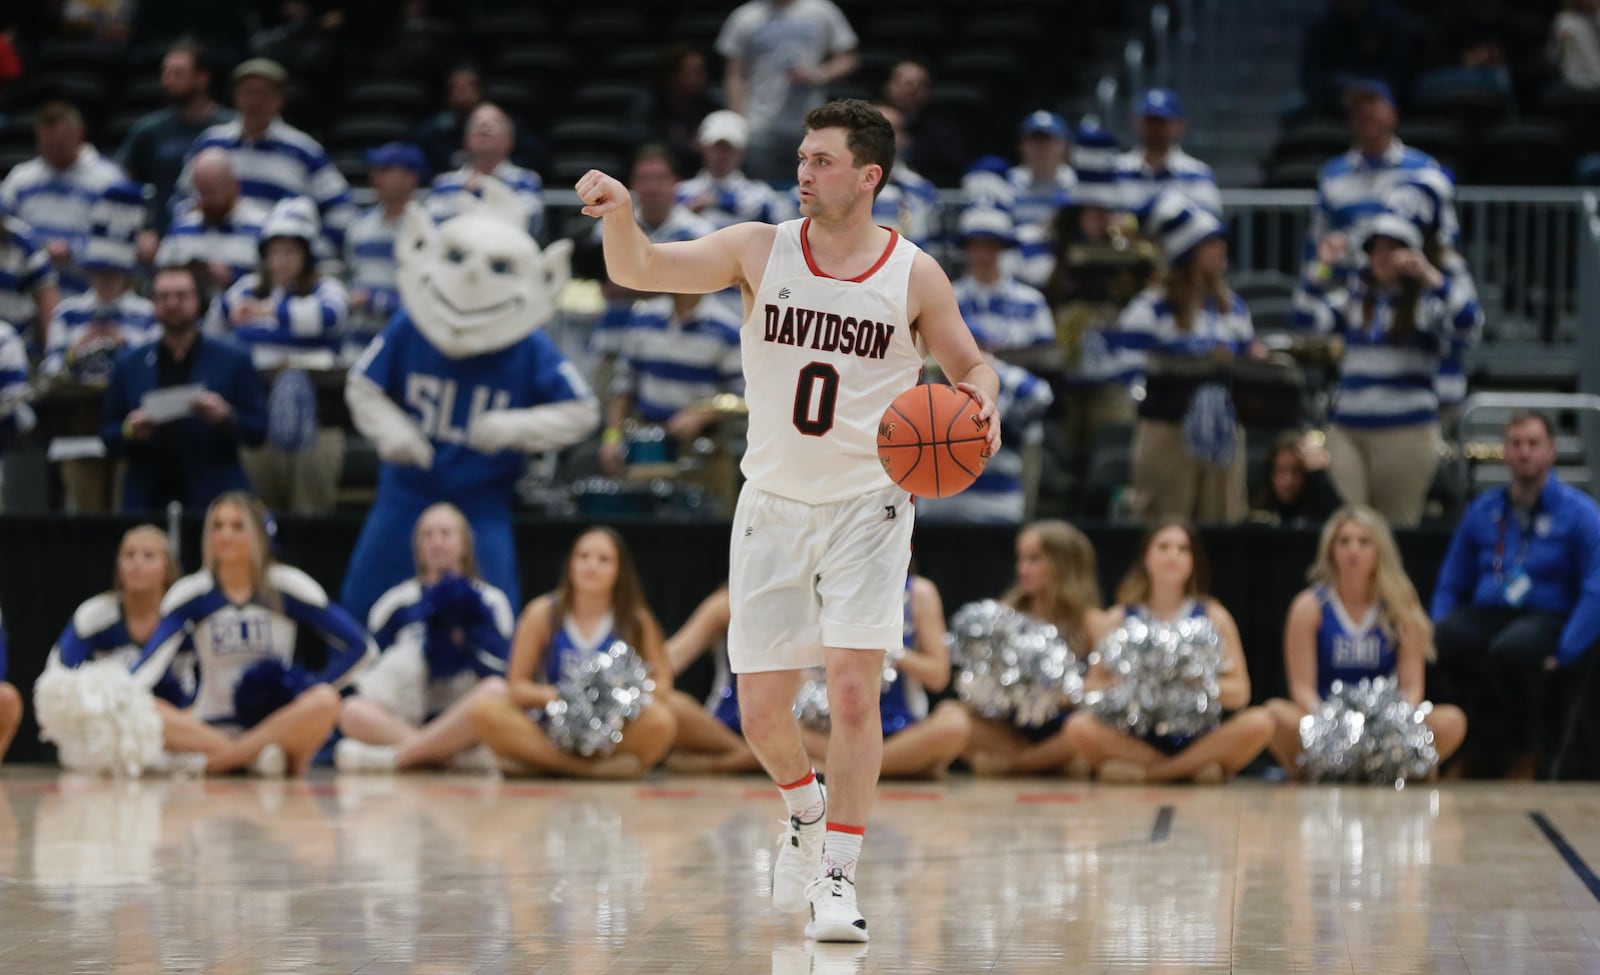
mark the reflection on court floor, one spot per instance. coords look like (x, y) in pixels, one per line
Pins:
(457, 875)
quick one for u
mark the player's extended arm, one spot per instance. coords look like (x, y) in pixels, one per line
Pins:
(701, 266)
(938, 319)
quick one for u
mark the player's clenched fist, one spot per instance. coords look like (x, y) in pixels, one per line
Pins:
(602, 194)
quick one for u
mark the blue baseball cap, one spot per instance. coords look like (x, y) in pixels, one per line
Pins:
(1367, 86)
(1161, 103)
(402, 154)
(1045, 123)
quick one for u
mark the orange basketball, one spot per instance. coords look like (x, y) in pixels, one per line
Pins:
(931, 441)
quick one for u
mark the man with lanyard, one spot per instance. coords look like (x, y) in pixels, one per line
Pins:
(1518, 595)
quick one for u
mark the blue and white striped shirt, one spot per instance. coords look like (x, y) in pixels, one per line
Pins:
(133, 317)
(1352, 189)
(667, 363)
(235, 241)
(1382, 384)
(1180, 172)
(57, 204)
(24, 268)
(444, 200)
(369, 259)
(909, 204)
(1038, 202)
(735, 198)
(300, 330)
(997, 496)
(284, 162)
(1005, 316)
(13, 379)
(1149, 326)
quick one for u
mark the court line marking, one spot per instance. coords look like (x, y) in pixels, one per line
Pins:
(1574, 860)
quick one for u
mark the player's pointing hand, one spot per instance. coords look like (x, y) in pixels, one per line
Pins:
(602, 194)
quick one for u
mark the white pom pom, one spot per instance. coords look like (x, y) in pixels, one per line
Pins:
(398, 681)
(103, 723)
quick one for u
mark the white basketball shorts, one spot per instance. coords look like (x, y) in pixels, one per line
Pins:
(806, 576)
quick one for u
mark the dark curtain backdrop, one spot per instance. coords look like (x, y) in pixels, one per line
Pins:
(50, 564)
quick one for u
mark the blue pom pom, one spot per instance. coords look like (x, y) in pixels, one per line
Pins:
(456, 610)
(266, 686)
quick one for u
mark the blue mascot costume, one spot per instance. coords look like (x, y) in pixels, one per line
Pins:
(460, 385)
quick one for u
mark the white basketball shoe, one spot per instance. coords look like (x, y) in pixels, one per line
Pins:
(350, 755)
(834, 916)
(270, 762)
(799, 859)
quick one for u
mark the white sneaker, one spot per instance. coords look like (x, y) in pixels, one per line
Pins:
(187, 765)
(834, 916)
(799, 859)
(350, 755)
(475, 759)
(270, 762)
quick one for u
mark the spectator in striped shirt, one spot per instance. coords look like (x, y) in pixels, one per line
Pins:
(1160, 162)
(1001, 494)
(272, 159)
(1397, 319)
(395, 170)
(290, 318)
(1005, 315)
(28, 290)
(1188, 446)
(54, 192)
(489, 139)
(221, 235)
(909, 202)
(16, 416)
(678, 350)
(1043, 180)
(721, 193)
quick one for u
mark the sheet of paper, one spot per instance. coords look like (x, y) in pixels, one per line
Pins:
(170, 403)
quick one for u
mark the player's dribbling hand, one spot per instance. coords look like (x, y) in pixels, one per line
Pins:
(986, 411)
(602, 194)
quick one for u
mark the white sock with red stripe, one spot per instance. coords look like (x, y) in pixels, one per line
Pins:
(841, 847)
(804, 799)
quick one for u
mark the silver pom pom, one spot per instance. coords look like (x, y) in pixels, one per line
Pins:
(1011, 667)
(1164, 678)
(1367, 732)
(600, 693)
(811, 701)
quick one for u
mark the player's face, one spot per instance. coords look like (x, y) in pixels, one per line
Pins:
(228, 535)
(285, 259)
(1169, 560)
(594, 564)
(1035, 574)
(141, 564)
(442, 544)
(830, 181)
(1355, 552)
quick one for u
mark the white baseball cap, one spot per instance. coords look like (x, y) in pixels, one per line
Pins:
(725, 126)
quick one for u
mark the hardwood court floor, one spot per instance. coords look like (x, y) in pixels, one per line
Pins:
(475, 875)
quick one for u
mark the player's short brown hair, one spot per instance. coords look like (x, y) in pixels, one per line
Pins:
(869, 136)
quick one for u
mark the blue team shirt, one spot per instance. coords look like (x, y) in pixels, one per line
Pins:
(1351, 651)
(568, 643)
(99, 630)
(904, 702)
(443, 395)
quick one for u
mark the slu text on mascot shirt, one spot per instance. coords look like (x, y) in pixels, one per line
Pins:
(823, 358)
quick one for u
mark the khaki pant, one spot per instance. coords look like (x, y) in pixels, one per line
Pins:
(87, 481)
(1168, 482)
(1389, 469)
(306, 483)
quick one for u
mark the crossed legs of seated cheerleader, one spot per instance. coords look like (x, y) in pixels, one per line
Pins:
(1001, 748)
(434, 744)
(10, 716)
(921, 750)
(705, 745)
(1219, 753)
(1447, 722)
(299, 728)
(510, 733)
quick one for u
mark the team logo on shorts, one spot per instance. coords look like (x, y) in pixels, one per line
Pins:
(888, 512)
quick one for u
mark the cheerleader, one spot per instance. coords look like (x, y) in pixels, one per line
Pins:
(1361, 618)
(118, 624)
(710, 739)
(916, 744)
(290, 318)
(242, 609)
(446, 635)
(1056, 584)
(10, 701)
(597, 601)
(1166, 585)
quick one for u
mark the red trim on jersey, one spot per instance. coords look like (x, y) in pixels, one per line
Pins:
(805, 248)
(842, 828)
(811, 777)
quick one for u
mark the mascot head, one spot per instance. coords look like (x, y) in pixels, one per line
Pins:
(477, 282)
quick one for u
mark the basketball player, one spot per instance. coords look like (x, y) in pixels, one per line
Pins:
(837, 311)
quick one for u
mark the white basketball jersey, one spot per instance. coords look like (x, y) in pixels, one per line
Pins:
(823, 358)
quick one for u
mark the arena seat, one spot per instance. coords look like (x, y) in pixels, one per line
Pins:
(1533, 152)
(1315, 139)
(392, 96)
(365, 131)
